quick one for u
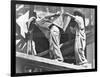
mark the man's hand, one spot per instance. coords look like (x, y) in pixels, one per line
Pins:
(80, 21)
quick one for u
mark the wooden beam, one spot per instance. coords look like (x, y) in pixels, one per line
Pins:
(46, 63)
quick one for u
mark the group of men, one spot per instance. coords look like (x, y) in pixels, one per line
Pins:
(54, 39)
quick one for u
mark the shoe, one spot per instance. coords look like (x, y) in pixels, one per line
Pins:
(86, 65)
(58, 60)
(83, 62)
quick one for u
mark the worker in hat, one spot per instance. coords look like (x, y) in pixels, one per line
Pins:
(29, 35)
(80, 37)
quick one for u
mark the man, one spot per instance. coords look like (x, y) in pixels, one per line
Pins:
(80, 38)
(29, 35)
(54, 41)
(56, 29)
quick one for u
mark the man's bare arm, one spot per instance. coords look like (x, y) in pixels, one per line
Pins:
(66, 13)
(67, 23)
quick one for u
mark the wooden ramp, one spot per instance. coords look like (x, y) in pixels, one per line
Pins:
(46, 63)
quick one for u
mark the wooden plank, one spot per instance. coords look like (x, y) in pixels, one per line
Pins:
(46, 63)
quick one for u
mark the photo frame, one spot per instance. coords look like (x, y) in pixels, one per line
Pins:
(31, 52)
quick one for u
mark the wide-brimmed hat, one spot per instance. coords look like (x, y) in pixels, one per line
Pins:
(78, 12)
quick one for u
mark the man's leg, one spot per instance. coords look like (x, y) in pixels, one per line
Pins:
(55, 43)
(28, 46)
(79, 51)
(33, 48)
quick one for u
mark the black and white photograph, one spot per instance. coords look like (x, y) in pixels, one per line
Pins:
(54, 38)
